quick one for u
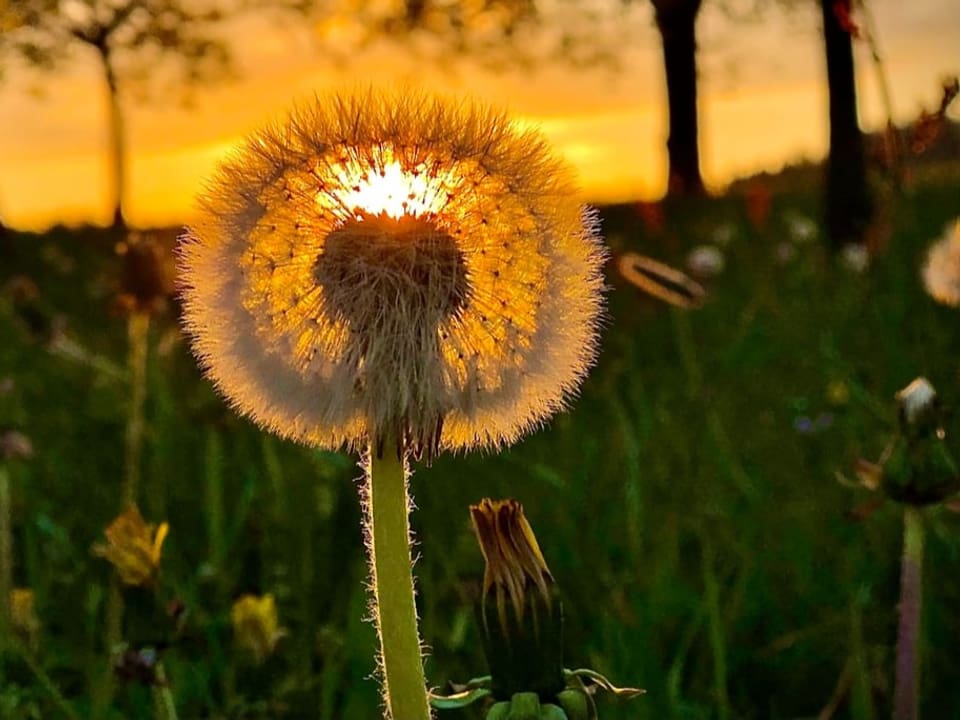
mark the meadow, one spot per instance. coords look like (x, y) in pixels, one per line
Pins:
(689, 504)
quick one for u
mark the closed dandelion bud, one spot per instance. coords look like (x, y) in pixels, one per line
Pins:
(256, 630)
(394, 267)
(521, 615)
(133, 548)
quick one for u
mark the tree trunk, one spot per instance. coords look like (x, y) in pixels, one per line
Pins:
(116, 140)
(676, 20)
(847, 202)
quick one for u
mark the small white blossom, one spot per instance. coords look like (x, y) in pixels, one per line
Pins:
(855, 257)
(800, 228)
(723, 234)
(706, 261)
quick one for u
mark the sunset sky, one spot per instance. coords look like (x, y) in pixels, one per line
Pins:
(763, 103)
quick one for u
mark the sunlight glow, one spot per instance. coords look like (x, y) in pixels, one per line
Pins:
(392, 190)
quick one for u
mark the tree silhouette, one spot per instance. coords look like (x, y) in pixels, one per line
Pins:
(848, 205)
(129, 38)
(676, 21)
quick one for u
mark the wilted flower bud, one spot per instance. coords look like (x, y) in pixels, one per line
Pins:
(133, 547)
(147, 275)
(255, 626)
(522, 620)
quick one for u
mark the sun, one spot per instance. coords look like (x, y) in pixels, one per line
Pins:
(385, 187)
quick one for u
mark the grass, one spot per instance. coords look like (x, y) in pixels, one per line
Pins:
(696, 528)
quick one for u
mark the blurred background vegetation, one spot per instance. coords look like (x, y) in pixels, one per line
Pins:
(690, 505)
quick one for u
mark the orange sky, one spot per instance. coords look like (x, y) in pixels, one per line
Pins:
(762, 104)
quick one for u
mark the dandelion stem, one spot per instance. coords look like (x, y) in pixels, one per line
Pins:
(395, 611)
(6, 556)
(905, 696)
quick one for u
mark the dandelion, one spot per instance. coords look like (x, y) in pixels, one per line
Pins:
(398, 273)
(396, 266)
(255, 627)
(941, 271)
(133, 547)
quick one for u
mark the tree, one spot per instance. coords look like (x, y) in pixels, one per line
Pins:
(128, 38)
(676, 21)
(848, 205)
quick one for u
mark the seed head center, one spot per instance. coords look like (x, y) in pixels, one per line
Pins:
(378, 271)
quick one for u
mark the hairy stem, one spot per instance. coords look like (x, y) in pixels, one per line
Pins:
(395, 611)
(906, 693)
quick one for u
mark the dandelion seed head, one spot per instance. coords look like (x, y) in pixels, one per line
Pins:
(941, 271)
(403, 266)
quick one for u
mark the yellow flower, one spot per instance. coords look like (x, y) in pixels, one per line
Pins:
(133, 547)
(23, 617)
(255, 626)
(394, 265)
(941, 271)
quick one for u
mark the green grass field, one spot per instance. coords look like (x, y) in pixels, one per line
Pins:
(687, 505)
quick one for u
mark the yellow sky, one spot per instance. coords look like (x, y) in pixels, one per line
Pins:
(762, 104)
